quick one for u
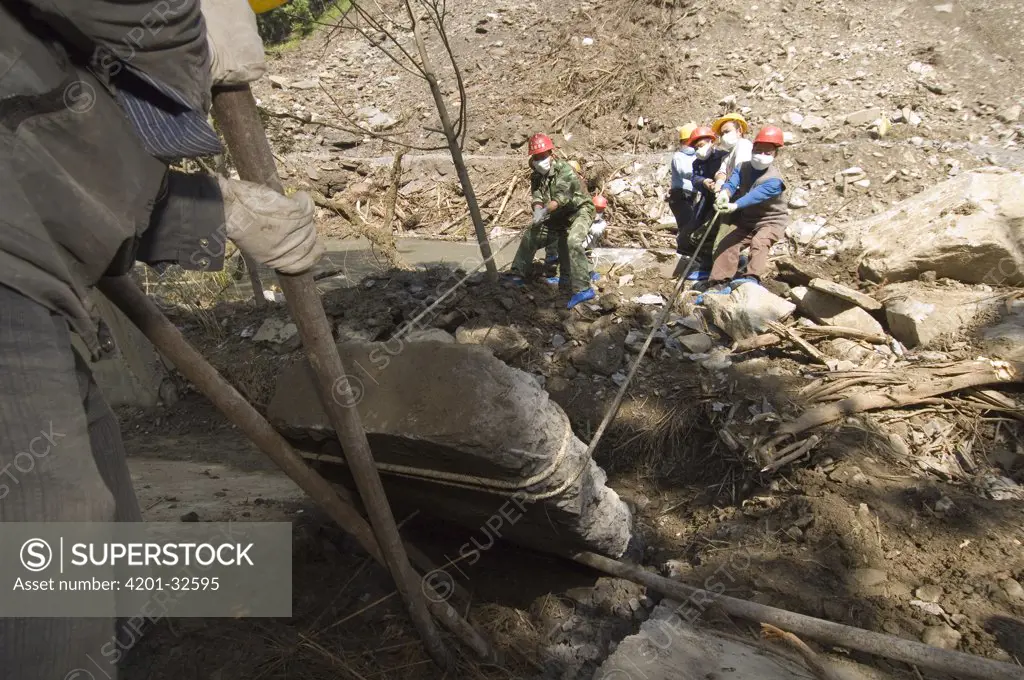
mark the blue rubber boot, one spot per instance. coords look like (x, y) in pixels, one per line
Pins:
(551, 259)
(581, 296)
(514, 280)
(698, 275)
(556, 281)
(736, 283)
(594, 276)
(724, 290)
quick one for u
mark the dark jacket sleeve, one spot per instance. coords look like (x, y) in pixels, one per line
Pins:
(187, 226)
(165, 39)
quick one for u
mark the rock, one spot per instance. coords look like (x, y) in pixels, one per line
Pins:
(805, 232)
(603, 354)
(1010, 115)
(507, 302)
(867, 577)
(1005, 340)
(929, 593)
(744, 312)
(798, 200)
(617, 186)
(792, 118)
(969, 228)
(457, 409)
(864, 117)
(918, 316)
(813, 124)
(505, 342)
(718, 360)
(667, 647)
(635, 340)
(698, 343)
(281, 334)
(340, 139)
(947, 8)
(1013, 589)
(798, 271)
(308, 84)
(428, 335)
(941, 636)
(278, 82)
(832, 311)
(846, 349)
(845, 293)
(557, 340)
(805, 96)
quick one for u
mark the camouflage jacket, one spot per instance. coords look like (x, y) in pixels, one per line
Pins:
(562, 185)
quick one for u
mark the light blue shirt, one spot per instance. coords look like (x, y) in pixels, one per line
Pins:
(682, 169)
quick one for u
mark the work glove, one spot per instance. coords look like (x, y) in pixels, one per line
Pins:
(236, 48)
(721, 200)
(540, 213)
(597, 228)
(276, 230)
(727, 208)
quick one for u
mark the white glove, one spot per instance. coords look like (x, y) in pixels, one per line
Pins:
(540, 213)
(235, 45)
(727, 208)
(597, 228)
(276, 230)
(721, 200)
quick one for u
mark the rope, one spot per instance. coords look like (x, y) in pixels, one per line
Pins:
(502, 487)
(498, 487)
(613, 410)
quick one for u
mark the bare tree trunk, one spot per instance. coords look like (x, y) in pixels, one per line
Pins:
(453, 146)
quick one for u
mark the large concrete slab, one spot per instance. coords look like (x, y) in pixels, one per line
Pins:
(460, 434)
(668, 648)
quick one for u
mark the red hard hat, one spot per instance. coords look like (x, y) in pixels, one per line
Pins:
(701, 133)
(540, 143)
(600, 202)
(769, 135)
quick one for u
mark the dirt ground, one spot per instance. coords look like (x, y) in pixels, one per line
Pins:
(860, 532)
(853, 536)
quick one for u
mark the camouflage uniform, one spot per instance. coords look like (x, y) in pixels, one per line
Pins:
(570, 224)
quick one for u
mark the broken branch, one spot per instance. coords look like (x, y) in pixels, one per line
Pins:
(792, 336)
(996, 372)
(811, 658)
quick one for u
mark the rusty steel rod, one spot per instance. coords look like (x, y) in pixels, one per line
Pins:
(169, 341)
(239, 120)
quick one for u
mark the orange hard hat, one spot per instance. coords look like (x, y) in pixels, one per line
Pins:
(769, 135)
(701, 133)
(540, 143)
(600, 202)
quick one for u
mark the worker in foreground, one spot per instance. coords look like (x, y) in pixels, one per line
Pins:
(755, 213)
(561, 205)
(89, 124)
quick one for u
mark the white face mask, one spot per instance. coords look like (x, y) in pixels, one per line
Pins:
(543, 166)
(704, 151)
(760, 161)
(729, 140)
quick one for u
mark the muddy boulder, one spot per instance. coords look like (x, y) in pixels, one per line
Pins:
(459, 434)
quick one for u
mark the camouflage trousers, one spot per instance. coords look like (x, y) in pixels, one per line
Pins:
(570, 235)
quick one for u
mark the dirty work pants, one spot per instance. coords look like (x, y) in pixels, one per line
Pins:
(571, 250)
(683, 210)
(731, 239)
(61, 460)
